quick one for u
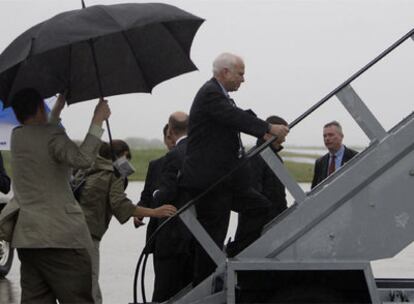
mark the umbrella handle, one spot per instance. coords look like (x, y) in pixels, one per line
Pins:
(110, 139)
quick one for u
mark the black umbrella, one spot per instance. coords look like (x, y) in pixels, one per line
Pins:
(100, 51)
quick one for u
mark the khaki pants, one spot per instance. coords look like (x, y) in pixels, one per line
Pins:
(51, 274)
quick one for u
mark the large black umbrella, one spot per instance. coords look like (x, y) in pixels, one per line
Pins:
(100, 51)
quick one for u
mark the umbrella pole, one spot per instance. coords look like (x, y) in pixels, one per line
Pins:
(110, 138)
(95, 63)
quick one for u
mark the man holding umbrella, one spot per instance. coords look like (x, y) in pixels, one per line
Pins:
(51, 235)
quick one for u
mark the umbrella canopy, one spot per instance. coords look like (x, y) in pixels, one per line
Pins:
(100, 51)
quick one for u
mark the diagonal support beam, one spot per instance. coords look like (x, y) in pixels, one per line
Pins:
(361, 114)
(280, 171)
(190, 220)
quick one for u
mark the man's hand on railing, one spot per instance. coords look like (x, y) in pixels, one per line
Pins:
(280, 131)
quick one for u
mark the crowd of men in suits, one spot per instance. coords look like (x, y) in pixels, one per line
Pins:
(51, 234)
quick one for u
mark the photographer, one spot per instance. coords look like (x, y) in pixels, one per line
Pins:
(102, 196)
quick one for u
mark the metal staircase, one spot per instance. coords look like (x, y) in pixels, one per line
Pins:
(320, 249)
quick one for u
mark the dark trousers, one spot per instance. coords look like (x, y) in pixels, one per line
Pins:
(253, 209)
(173, 257)
(51, 274)
(213, 212)
(172, 275)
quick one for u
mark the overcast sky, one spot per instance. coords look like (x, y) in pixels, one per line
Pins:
(295, 53)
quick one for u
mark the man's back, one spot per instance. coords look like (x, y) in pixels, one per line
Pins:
(152, 181)
(264, 180)
(168, 182)
(213, 142)
(49, 214)
(173, 245)
(168, 240)
(50, 234)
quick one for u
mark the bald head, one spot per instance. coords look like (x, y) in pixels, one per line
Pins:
(228, 69)
(178, 124)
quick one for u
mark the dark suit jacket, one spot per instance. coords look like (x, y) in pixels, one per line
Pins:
(151, 184)
(266, 182)
(322, 164)
(168, 185)
(152, 181)
(213, 142)
(174, 239)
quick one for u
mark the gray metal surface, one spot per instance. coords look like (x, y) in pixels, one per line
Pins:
(361, 114)
(190, 220)
(396, 290)
(335, 221)
(202, 291)
(279, 169)
(270, 264)
(218, 298)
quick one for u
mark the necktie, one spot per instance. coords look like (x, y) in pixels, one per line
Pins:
(331, 168)
(240, 153)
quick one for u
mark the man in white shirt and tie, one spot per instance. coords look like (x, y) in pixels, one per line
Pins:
(338, 153)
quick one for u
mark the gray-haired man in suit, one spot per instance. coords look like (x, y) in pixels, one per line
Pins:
(51, 235)
(337, 156)
(214, 148)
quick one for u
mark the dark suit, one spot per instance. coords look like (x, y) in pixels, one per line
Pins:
(263, 181)
(151, 184)
(213, 142)
(267, 183)
(212, 151)
(322, 164)
(173, 245)
(168, 184)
